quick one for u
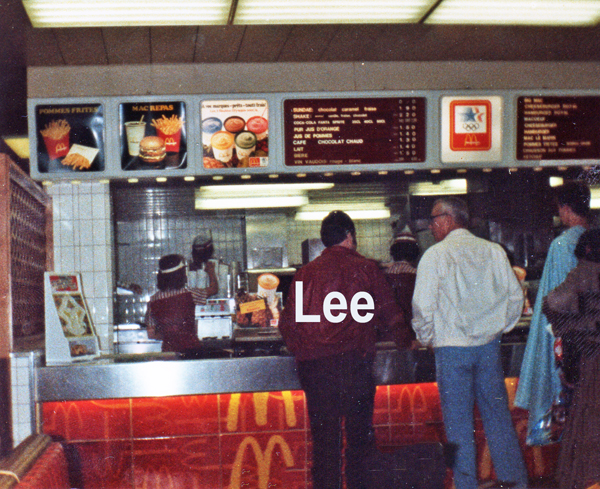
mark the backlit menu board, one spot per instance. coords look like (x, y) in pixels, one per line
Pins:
(235, 134)
(153, 136)
(70, 138)
(558, 128)
(340, 131)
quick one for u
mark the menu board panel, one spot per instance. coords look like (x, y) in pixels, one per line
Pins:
(235, 133)
(153, 136)
(471, 129)
(70, 138)
(348, 131)
(558, 128)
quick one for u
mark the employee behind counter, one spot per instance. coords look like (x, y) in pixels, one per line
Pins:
(202, 254)
(171, 311)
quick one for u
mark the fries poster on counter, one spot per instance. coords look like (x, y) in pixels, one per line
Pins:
(70, 138)
(153, 135)
(235, 133)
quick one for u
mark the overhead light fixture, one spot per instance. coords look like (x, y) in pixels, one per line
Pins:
(516, 12)
(260, 189)
(254, 196)
(250, 202)
(105, 13)
(595, 200)
(357, 211)
(556, 181)
(455, 186)
(331, 11)
(19, 145)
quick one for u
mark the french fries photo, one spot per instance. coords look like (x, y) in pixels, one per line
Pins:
(77, 161)
(56, 129)
(169, 125)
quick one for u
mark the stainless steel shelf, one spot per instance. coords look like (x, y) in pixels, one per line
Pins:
(160, 375)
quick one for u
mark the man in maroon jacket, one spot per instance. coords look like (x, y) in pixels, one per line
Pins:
(334, 307)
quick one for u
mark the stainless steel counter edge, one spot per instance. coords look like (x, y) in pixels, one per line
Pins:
(160, 378)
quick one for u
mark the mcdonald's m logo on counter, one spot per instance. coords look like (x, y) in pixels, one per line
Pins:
(261, 403)
(263, 459)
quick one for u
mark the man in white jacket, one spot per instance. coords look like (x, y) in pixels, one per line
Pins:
(466, 296)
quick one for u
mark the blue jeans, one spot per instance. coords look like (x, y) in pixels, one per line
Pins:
(469, 375)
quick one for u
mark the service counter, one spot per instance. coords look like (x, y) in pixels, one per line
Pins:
(165, 374)
(158, 421)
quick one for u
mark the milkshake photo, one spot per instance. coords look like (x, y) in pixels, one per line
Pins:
(235, 134)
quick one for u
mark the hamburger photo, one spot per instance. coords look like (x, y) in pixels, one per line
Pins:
(152, 149)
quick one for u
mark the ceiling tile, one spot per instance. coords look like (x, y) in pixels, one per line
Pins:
(127, 45)
(12, 34)
(173, 44)
(347, 43)
(218, 44)
(307, 42)
(82, 46)
(262, 44)
(42, 48)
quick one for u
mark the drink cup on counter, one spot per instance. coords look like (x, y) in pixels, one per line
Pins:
(210, 126)
(222, 143)
(259, 126)
(135, 131)
(267, 286)
(245, 144)
(234, 124)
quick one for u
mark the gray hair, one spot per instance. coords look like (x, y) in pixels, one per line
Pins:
(456, 207)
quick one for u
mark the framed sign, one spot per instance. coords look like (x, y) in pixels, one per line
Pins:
(235, 134)
(153, 136)
(354, 131)
(471, 129)
(70, 138)
(558, 128)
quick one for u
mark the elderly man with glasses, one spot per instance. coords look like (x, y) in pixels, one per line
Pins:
(466, 296)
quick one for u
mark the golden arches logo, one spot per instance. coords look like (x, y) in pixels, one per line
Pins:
(161, 478)
(471, 140)
(260, 400)
(61, 147)
(170, 141)
(415, 397)
(263, 460)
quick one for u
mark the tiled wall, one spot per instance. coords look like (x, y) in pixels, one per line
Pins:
(243, 440)
(83, 243)
(22, 367)
(373, 237)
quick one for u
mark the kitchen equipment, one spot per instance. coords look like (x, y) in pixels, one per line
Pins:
(311, 248)
(132, 338)
(214, 320)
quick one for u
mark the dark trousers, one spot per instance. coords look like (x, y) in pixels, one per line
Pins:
(339, 390)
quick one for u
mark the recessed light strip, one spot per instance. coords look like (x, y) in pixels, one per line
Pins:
(516, 12)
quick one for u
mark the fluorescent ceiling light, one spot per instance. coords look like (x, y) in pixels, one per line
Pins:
(455, 186)
(103, 13)
(254, 196)
(595, 200)
(367, 210)
(262, 190)
(330, 11)
(517, 12)
(356, 215)
(555, 181)
(250, 202)
(19, 145)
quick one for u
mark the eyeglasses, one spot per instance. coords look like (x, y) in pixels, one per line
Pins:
(432, 218)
